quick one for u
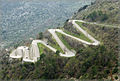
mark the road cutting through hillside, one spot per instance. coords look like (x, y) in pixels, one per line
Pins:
(63, 47)
(32, 54)
(95, 23)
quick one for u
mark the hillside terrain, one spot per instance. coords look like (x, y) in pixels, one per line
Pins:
(101, 11)
(21, 20)
(90, 61)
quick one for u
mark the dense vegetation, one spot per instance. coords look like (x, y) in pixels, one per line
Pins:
(89, 63)
(102, 11)
(97, 14)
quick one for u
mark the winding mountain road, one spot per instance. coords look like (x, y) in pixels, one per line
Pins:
(53, 49)
(95, 23)
(96, 42)
(32, 54)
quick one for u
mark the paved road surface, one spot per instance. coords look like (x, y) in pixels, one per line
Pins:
(32, 54)
(53, 49)
(96, 23)
(63, 47)
(85, 33)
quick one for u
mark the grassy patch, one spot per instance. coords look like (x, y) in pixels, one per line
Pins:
(63, 40)
(80, 35)
(80, 24)
(84, 28)
(41, 48)
(56, 46)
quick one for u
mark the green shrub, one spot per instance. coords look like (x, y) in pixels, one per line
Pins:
(57, 52)
(40, 36)
(97, 15)
(116, 77)
(115, 70)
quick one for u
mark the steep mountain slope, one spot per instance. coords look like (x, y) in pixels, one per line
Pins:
(103, 11)
(21, 20)
(90, 62)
